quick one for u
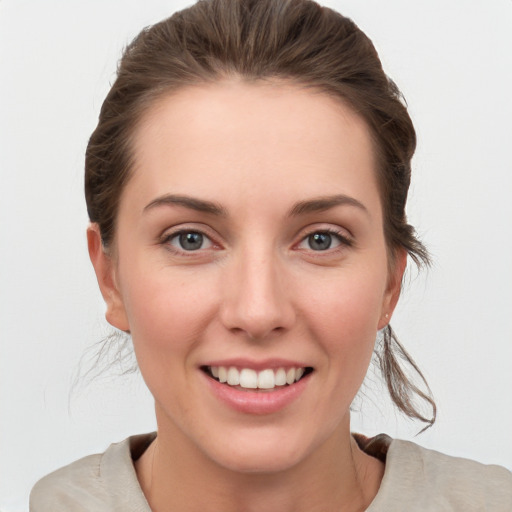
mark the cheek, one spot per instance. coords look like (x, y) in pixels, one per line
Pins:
(344, 314)
(168, 315)
(167, 311)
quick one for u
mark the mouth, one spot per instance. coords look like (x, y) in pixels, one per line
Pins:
(249, 379)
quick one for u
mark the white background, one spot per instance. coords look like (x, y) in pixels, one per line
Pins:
(451, 58)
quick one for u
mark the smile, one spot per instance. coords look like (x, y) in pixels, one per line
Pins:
(247, 378)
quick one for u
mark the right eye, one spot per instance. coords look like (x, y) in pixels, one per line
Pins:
(189, 241)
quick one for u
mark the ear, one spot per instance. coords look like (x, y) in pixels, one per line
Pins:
(104, 266)
(394, 286)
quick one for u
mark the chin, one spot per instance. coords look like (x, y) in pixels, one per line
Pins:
(261, 453)
(261, 462)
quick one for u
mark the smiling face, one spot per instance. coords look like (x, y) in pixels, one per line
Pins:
(250, 246)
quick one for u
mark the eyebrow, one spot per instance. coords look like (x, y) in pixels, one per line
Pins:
(322, 204)
(319, 204)
(192, 203)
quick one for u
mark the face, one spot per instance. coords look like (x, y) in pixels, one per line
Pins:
(250, 247)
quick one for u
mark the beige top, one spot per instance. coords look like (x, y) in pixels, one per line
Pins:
(415, 479)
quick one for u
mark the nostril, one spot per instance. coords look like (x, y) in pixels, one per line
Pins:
(256, 302)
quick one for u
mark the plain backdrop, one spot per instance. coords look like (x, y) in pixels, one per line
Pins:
(452, 60)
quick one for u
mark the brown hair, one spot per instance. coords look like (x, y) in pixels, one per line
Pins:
(294, 40)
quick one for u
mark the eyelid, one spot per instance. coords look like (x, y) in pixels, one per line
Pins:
(343, 236)
(170, 233)
(206, 241)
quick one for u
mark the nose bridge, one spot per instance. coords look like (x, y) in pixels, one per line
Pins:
(255, 298)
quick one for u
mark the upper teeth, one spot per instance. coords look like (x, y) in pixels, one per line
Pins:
(251, 379)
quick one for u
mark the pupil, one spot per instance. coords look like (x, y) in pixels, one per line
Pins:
(191, 241)
(320, 241)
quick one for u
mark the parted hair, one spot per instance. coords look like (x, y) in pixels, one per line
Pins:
(259, 40)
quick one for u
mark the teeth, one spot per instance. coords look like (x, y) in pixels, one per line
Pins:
(233, 377)
(251, 379)
(280, 379)
(266, 379)
(248, 379)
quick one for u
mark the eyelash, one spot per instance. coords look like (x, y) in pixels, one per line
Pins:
(341, 237)
(168, 237)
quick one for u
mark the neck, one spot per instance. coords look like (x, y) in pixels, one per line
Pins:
(337, 476)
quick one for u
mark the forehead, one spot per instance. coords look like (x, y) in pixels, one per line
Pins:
(248, 137)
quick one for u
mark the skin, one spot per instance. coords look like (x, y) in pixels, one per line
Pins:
(256, 289)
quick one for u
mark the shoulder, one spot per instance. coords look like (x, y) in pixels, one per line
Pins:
(101, 482)
(416, 476)
(75, 487)
(455, 474)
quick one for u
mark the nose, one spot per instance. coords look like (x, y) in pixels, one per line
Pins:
(256, 298)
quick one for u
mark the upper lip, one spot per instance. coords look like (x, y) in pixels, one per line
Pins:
(264, 364)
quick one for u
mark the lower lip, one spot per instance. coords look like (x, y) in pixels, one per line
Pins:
(257, 402)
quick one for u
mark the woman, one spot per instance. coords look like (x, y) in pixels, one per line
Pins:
(246, 186)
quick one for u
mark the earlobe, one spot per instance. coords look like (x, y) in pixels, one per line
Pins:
(393, 288)
(105, 274)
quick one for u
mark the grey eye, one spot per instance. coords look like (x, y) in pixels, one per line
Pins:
(320, 241)
(189, 241)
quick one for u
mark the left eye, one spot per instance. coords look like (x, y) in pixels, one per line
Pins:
(321, 241)
(190, 241)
